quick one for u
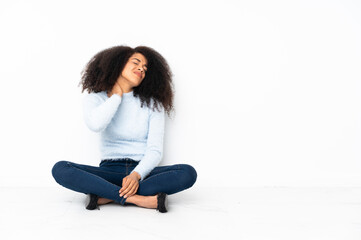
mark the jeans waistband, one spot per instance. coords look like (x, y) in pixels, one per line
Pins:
(124, 160)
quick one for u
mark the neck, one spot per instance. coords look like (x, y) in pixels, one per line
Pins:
(126, 88)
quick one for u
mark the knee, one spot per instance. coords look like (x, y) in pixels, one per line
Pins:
(59, 170)
(190, 175)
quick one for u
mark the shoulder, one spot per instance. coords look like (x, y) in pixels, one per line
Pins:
(156, 111)
(92, 100)
(156, 107)
(95, 97)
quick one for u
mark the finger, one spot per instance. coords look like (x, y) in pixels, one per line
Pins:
(124, 181)
(129, 193)
(132, 191)
(124, 186)
(130, 186)
(128, 189)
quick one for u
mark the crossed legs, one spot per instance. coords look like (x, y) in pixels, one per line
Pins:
(105, 181)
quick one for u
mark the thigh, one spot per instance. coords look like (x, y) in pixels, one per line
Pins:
(173, 169)
(164, 169)
(168, 179)
(112, 174)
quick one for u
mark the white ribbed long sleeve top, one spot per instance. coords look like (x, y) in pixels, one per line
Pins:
(127, 129)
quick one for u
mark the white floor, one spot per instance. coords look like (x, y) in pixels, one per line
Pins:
(198, 213)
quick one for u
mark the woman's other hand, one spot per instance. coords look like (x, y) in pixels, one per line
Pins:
(130, 185)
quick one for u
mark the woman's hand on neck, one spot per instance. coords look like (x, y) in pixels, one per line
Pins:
(117, 89)
(124, 85)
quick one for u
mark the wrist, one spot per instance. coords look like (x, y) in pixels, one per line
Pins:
(136, 175)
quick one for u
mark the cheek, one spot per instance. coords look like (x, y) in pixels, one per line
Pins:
(128, 67)
(126, 71)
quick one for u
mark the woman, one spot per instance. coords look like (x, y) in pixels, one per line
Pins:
(130, 92)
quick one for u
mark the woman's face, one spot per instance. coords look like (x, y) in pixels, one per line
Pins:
(134, 70)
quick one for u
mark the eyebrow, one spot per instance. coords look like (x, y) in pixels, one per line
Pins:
(140, 61)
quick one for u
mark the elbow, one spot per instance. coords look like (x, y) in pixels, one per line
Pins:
(156, 154)
(155, 151)
(94, 127)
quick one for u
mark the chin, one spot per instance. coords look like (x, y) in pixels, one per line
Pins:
(136, 83)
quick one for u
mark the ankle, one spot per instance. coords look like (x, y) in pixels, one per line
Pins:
(135, 199)
(102, 201)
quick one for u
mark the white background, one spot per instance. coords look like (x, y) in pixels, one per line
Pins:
(267, 92)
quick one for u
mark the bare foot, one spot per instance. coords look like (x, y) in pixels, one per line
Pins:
(143, 201)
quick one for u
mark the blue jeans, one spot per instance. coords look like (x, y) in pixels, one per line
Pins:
(106, 180)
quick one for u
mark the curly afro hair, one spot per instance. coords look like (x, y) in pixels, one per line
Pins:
(103, 70)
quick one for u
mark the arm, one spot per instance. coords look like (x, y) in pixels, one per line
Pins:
(152, 155)
(154, 151)
(98, 113)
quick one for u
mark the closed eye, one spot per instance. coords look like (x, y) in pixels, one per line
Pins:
(144, 67)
